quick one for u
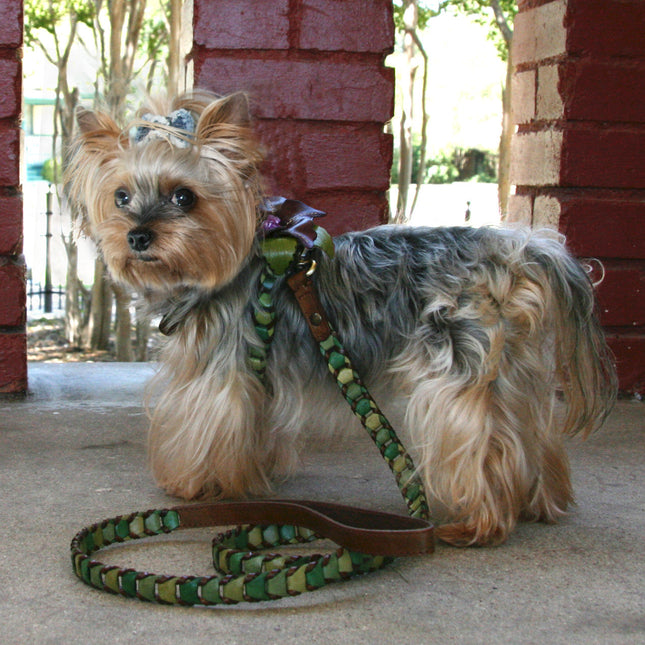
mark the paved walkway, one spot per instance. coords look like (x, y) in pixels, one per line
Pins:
(72, 453)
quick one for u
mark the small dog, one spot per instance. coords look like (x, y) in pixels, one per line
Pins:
(472, 333)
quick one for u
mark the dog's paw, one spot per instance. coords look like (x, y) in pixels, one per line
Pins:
(464, 534)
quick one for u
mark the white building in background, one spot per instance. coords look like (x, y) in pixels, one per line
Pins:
(38, 127)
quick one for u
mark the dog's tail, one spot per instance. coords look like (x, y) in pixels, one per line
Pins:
(584, 364)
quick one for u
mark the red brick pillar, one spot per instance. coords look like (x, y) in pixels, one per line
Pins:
(13, 345)
(320, 93)
(578, 158)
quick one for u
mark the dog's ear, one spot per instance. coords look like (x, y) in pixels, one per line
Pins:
(96, 125)
(231, 110)
(96, 140)
(224, 130)
(86, 120)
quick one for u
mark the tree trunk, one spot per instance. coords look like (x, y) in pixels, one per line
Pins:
(101, 309)
(504, 164)
(73, 314)
(124, 350)
(423, 147)
(175, 80)
(504, 167)
(116, 83)
(143, 334)
(410, 17)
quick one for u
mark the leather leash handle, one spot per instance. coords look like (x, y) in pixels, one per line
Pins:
(372, 532)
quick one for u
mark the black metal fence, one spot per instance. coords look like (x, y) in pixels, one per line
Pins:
(41, 299)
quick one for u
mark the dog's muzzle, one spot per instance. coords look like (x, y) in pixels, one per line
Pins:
(139, 239)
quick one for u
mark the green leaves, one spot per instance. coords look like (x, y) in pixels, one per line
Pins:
(426, 8)
(49, 15)
(497, 15)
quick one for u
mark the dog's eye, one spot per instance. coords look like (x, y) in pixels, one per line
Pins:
(184, 198)
(121, 197)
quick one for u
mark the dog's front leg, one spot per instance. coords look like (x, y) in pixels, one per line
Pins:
(206, 434)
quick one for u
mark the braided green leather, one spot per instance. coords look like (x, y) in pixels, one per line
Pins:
(377, 426)
(264, 321)
(243, 574)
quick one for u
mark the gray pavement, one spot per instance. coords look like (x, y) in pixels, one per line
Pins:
(73, 452)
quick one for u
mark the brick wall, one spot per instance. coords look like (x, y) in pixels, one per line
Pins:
(578, 158)
(13, 356)
(321, 97)
(320, 94)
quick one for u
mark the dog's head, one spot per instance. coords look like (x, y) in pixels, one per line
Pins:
(170, 200)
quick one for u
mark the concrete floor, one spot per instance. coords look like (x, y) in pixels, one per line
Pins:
(72, 453)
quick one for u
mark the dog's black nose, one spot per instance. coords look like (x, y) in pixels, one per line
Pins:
(139, 239)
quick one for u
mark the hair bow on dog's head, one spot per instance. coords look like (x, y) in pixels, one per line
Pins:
(181, 120)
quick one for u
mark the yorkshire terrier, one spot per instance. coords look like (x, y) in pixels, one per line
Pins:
(473, 335)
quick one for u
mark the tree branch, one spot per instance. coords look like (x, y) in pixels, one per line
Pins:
(502, 23)
(424, 118)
